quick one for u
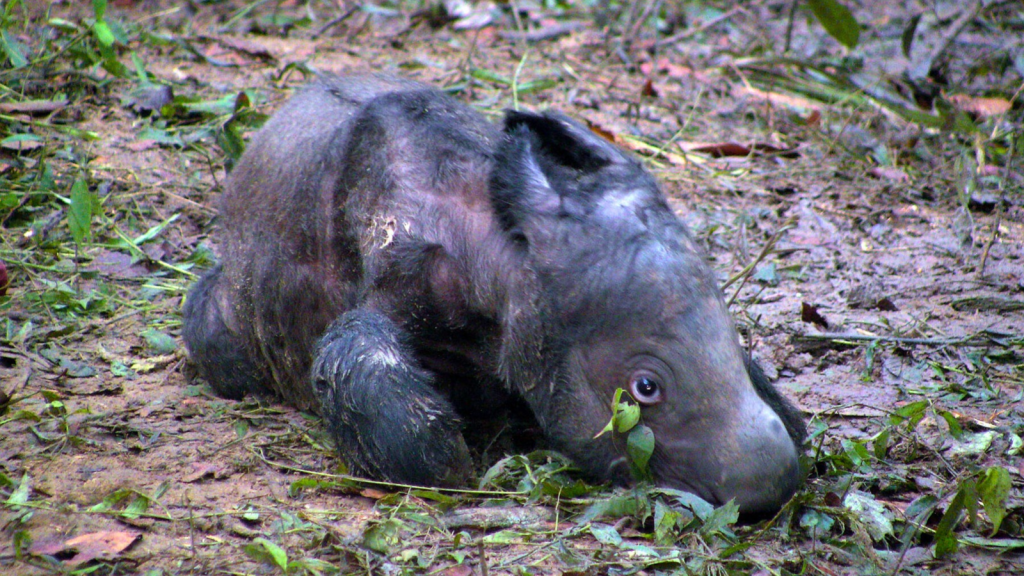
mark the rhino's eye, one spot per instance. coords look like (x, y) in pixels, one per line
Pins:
(646, 390)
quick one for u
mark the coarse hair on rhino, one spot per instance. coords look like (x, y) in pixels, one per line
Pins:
(388, 255)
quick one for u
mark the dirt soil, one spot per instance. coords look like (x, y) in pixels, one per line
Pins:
(884, 266)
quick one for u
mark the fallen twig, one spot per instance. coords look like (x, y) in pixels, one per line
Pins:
(986, 303)
(546, 33)
(745, 273)
(976, 340)
(483, 557)
(921, 66)
(384, 485)
(789, 26)
(492, 517)
(694, 31)
(338, 20)
(999, 209)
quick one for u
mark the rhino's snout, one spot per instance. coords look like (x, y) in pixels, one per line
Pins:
(768, 471)
(753, 460)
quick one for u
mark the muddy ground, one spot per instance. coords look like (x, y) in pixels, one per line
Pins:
(875, 266)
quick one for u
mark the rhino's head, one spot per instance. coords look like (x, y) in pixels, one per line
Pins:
(626, 300)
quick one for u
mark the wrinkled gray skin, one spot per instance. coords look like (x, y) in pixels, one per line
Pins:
(389, 255)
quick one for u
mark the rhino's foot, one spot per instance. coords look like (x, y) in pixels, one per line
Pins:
(386, 417)
(218, 353)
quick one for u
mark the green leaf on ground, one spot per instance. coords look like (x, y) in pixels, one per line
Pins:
(20, 495)
(908, 34)
(103, 34)
(837, 20)
(80, 212)
(160, 342)
(994, 490)
(606, 534)
(945, 540)
(263, 550)
(13, 49)
(872, 513)
(99, 8)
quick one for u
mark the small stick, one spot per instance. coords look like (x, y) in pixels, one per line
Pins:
(969, 341)
(991, 239)
(634, 29)
(191, 524)
(348, 14)
(483, 557)
(745, 273)
(694, 31)
(546, 33)
(519, 27)
(512, 561)
(999, 212)
(920, 68)
(789, 26)
(256, 451)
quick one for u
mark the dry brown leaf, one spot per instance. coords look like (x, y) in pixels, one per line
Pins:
(809, 313)
(372, 493)
(601, 131)
(717, 150)
(889, 173)
(247, 46)
(142, 145)
(666, 67)
(722, 149)
(983, 107)
(219, 55)
(105, 544)
(649, 90)
(202, 470)
(458, 570)
(116, 265)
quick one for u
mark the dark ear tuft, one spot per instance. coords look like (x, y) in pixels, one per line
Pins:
(549, 166)
(567, 142)
(519, 187)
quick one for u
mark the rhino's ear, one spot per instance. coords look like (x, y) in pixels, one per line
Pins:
(562, 140)
(541, 166)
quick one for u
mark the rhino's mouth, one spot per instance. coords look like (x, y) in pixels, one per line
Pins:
(676, 482)
(619, 473)
(755, 464)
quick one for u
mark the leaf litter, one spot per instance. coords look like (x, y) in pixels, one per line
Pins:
(851, 168)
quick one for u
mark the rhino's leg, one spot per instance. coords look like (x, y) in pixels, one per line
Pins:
(381, 407)
(217, 352)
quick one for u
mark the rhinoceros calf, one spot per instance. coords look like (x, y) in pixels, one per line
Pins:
(389, 255)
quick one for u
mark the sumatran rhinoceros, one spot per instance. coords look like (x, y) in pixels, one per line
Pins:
(388, 255)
